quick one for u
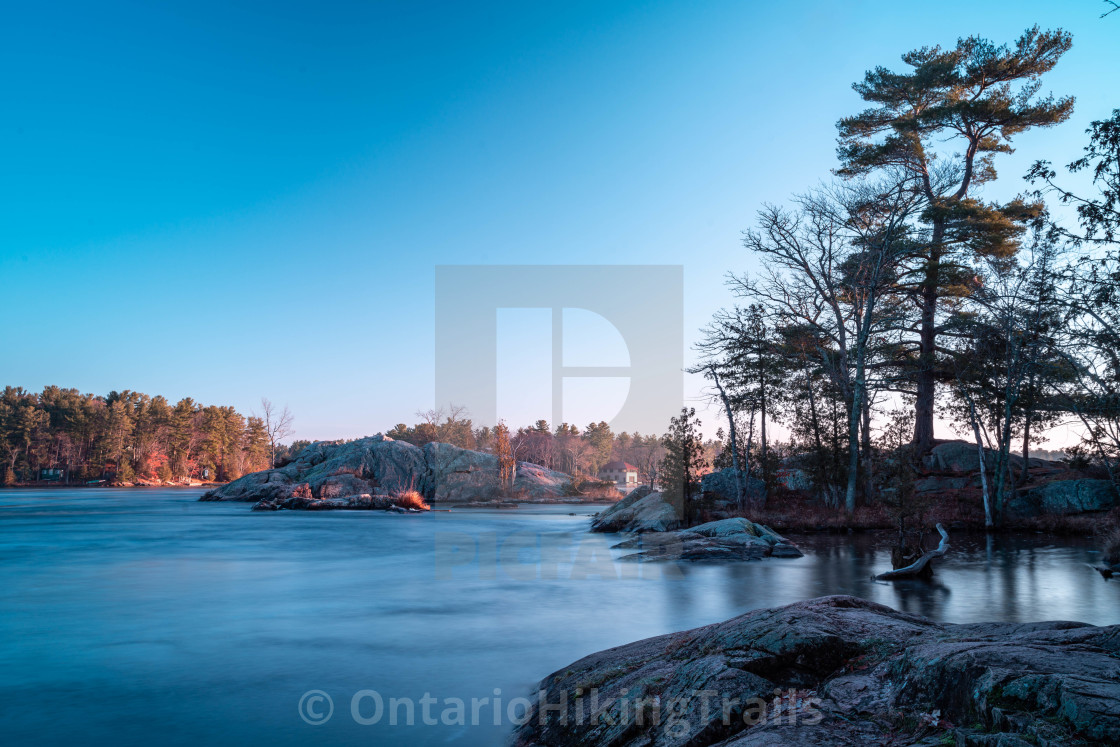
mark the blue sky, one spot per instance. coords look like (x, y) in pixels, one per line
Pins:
(230, 200)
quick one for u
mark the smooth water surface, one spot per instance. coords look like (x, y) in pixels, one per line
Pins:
(143, 616)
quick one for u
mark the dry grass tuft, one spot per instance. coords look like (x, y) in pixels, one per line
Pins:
(412, 499)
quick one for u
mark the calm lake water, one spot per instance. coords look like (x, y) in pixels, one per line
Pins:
(143, 616)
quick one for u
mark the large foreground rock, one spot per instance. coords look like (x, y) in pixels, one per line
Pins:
(640, 511)
(726, 539)
(379, 466)
(840, 671)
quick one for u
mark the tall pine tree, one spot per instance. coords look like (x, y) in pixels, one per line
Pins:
(976, 95)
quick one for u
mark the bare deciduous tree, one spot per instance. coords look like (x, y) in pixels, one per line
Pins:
(277, 424)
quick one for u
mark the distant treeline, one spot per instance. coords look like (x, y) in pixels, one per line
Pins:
(565, 447)
(66, 436)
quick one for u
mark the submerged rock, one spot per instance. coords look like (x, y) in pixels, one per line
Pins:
(727, 539)
(839, 671)
(360, 502)
(336, 475)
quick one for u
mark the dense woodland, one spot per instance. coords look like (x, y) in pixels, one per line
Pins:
(898, 291)
(128, 436)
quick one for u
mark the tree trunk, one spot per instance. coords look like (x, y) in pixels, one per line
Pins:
(741, 498)
(750, 444)
(927, 353)
(762, 434)
(853, 446)
(983, 464)
(865, 448)
(814, 420)
(1003, 463)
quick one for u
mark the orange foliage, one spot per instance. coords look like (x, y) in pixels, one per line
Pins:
(412, 499)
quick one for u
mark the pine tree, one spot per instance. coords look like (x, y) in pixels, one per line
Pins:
(977, 94)
(601, 439)
(683, 463)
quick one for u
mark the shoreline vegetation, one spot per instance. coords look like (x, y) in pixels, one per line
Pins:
(796, 514)
(948, 486)
(791, 514)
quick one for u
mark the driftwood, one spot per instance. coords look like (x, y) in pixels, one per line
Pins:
(916, 568)
(1108, 571)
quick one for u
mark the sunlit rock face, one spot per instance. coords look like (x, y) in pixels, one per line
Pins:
(839, 671)
(380, 466)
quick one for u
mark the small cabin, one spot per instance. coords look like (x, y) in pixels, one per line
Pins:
(623, 475)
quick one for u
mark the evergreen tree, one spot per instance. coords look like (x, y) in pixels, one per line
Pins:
(683, 463)
(507, 465)
(976, 94)
(601, 440)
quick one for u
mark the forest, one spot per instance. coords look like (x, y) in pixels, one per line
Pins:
(62, 435)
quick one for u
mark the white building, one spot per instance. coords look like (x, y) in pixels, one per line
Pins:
(623, 475)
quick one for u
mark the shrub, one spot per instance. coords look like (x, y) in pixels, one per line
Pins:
(1078, 457)
(412, 499)
(125, 473)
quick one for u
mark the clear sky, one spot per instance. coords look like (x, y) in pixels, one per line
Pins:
(230, 200)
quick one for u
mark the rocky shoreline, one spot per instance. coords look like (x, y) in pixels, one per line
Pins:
(839, 671)
(657, 532)
(369, 473)
(1049, 496)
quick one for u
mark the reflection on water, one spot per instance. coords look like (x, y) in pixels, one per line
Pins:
(133, 616)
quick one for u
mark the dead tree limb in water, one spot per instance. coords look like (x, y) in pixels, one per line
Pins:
(915, 569)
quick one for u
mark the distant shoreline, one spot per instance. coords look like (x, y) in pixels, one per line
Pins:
(74, 486)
